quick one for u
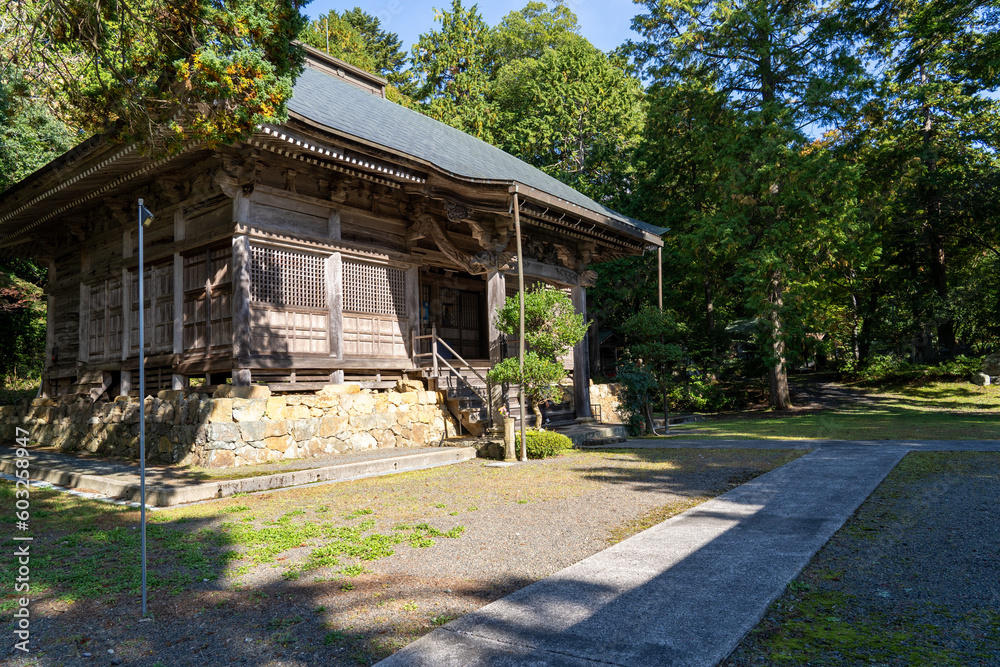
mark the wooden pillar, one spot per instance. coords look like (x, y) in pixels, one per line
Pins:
(83, 339)
(178, 381)
(335, 303)
(412, 308)
(126, 314)
(241, 311)
(126, 382)
(581, 361)
(496, 294)
(50, 318)
(333, 225)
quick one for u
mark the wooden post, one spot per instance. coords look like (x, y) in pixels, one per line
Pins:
(50, 318)
(496, 294)
(125, 382)
(434, 349)
(333, 225)
(126, 315)
(520, 324)
(241, 310)
(413, 308)
(581, 360)
(335, 303)
(83, 340)
(178, 381)
(659, 275)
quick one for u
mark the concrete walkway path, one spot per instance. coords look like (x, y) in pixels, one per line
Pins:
(686, 591)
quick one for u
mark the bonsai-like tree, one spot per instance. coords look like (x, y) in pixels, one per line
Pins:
(551, 328)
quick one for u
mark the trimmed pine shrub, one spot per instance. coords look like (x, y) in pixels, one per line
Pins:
(542, 444)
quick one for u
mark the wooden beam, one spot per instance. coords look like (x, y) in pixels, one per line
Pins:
(335, 304)
(241, 307)
(322, 362)
(581, 360)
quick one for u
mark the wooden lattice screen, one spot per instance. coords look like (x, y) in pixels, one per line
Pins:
(374, 289)
(287, 278)
(375, 314)
(288, 311)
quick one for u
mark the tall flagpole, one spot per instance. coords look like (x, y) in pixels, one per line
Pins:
(520, 326)
(144, 217)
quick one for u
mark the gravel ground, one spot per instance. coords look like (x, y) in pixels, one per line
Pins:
(912, 579)
(521, 523)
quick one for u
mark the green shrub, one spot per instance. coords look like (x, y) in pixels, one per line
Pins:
(542, 444)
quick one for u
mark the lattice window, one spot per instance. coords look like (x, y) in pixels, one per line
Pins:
(287, 278)
(374, 289)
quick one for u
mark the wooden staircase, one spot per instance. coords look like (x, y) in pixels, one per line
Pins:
(467, 391)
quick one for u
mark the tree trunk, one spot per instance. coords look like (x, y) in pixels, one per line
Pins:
(710, 317)
(777, 374)
(539, 422)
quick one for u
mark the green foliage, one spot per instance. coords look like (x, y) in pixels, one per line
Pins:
(886, 368)
(162, 73)
(640, 389)
(540, 379)
(358, 38)
(551, 328)
(551, 324)
(543, 444)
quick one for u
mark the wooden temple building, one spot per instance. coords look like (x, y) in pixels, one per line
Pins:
(331, 247)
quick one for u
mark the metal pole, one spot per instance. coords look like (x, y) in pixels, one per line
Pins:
(520, 325)
(142, 413)
(659, 275)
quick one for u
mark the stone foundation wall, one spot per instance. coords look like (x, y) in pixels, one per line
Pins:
(238, 425)
(608, 398)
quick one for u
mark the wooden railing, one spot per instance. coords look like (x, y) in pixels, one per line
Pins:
(437, 361)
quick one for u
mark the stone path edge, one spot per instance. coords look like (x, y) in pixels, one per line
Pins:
(166, 497)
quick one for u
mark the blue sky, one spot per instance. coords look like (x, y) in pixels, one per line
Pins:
(606, 23)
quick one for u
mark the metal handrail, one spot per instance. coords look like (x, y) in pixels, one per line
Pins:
(437, 358)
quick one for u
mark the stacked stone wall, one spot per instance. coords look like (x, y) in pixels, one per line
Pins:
(608, 398)
(238, 425)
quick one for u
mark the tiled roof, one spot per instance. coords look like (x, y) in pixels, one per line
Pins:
(345, 108)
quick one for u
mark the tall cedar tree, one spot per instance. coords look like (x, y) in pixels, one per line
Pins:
(780, 68)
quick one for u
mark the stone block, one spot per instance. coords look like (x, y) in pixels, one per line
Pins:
(248, 409)
(403, 386)
(221, 458)
(216, 410)
(275, 428)
(308, 401)
(394, 397)
(305, 429)
(363, 441)
(331, 425)
(991, 364)
(293, 452)
(275, 407)
(164, 445)
(253, 391)
(170, 394)
(314, 447)
(278, 444)
(297, 412)
(418, 434)
(253, 431)
(332, 389)
(410, 397)
(981, 379)
(363, 404)
(223, 432)
(326, 402)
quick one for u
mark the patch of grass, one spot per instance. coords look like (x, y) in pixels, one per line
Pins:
(862, 602)
(651, 518)
(925, 410)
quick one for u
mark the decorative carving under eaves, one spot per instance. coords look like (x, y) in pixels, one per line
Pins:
(427, 225)
(237, 174)
(540, 250)
(588, 278)
(456, 212)
(484, 262)
(490, 235)
(290, 176)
